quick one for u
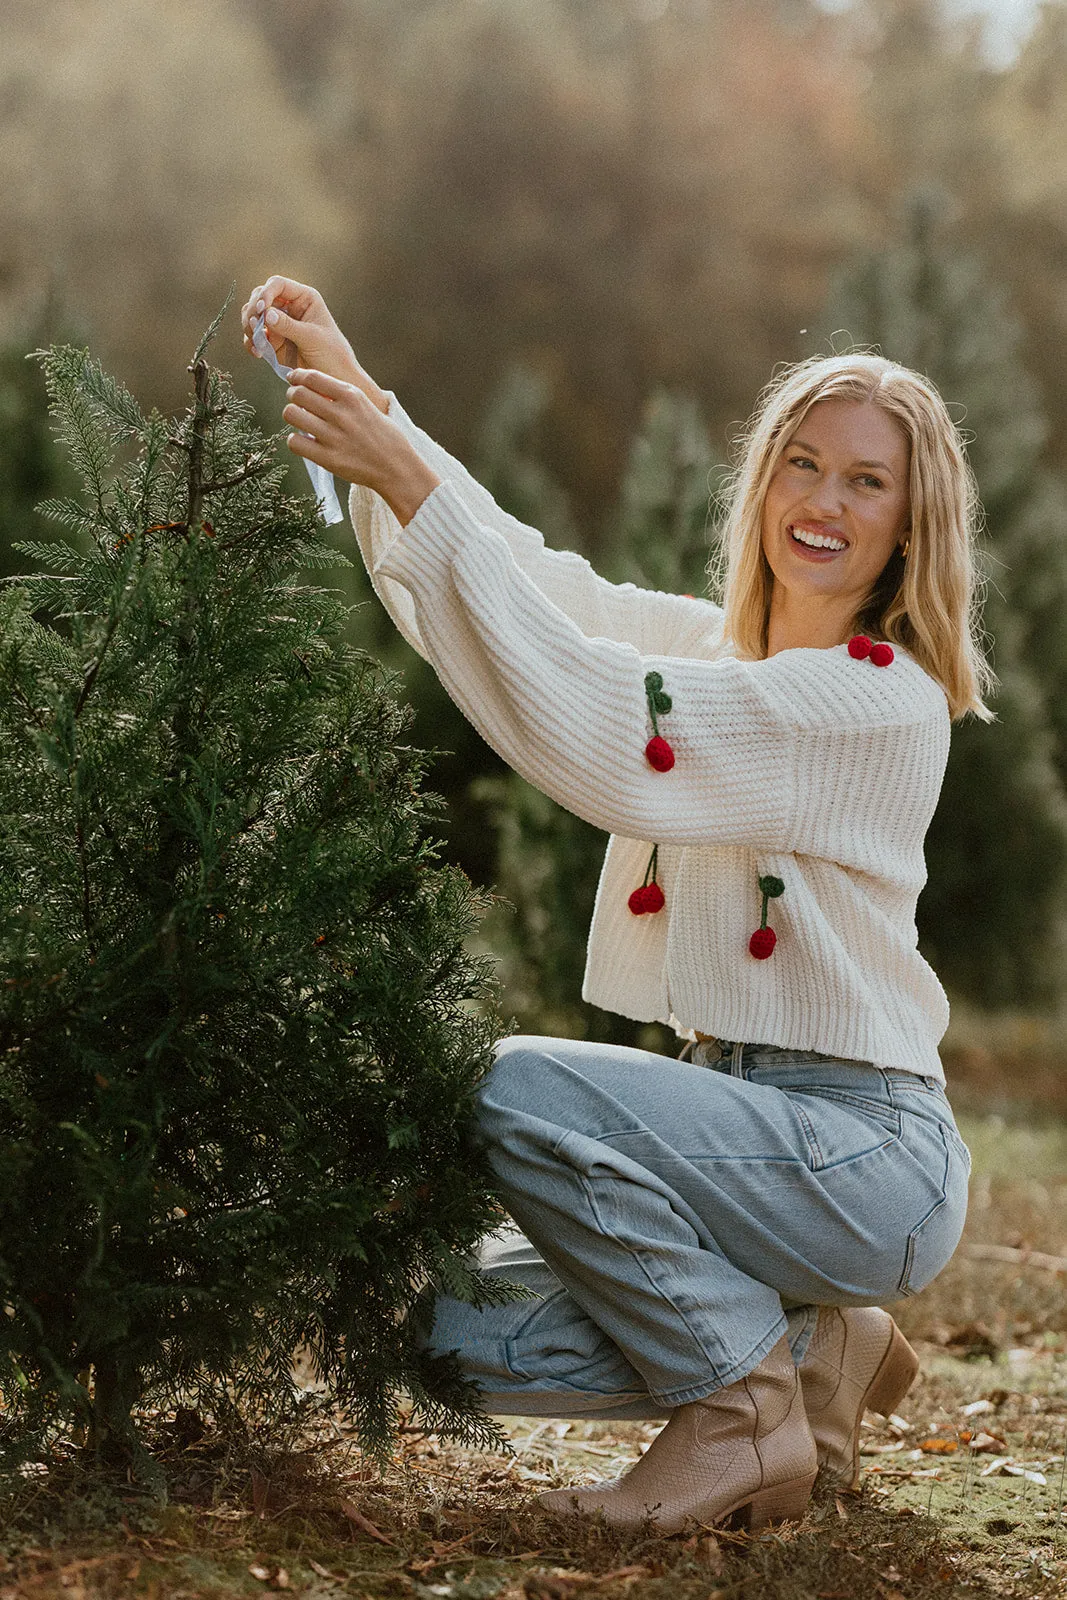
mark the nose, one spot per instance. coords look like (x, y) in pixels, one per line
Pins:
(826, 498)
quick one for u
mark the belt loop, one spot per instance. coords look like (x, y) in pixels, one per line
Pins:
(737, 1060)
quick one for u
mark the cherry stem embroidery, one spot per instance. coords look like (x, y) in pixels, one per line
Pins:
(649, 897)
(763, 941)
(658, 752)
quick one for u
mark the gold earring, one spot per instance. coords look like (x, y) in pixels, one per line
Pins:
(904, 548)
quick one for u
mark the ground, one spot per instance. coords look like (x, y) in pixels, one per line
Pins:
(963, 1493)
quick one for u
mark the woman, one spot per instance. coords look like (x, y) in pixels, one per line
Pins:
(708, 1245)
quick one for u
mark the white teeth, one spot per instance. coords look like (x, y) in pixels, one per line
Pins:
(819, 541)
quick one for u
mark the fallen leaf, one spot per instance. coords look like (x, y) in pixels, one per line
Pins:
(1025, 1472)
(560, 1584)
(442, 1548)
(977, 1408)
(364, 1524)
(842, 1513)
(987, 1442)
(938, 1447)
(323, 1572)
(260, 1572)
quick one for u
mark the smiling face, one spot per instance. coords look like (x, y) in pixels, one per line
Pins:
(836, 508)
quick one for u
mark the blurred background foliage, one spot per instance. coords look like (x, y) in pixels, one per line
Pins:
(576, 236)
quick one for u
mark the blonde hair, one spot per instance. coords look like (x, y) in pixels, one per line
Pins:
(929, 602)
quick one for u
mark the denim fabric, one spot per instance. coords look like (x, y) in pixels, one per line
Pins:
(679, 1217)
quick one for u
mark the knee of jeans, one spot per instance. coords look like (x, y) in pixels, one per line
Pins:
(515, 1082)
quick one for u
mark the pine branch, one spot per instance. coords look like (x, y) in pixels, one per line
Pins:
(255, 468)
(93, 671)
(31, 710)
(201, 417)
(212, 330)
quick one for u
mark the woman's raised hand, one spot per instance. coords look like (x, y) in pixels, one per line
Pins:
(342, 430)
(299, 325)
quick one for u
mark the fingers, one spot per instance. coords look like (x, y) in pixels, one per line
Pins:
(321, 383)
(307, 421)
(280, 325)
(280, 296)
(315, 401)
(310, 450)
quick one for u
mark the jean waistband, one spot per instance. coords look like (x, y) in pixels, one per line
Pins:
(785, 1066)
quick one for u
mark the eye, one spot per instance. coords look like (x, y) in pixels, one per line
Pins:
(869, 481)
(802, 461)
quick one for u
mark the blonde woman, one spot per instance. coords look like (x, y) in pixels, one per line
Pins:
(708, 1239)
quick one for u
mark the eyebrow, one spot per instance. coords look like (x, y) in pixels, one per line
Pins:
(798, 444)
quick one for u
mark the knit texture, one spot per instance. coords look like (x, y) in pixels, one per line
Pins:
(811, 766)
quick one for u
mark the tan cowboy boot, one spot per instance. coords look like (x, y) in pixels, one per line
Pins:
(745, 1453)
(858, 1360)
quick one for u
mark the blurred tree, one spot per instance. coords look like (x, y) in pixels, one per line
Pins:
(993, 914)
(149, 155)
(921, 117)
(605, 193)
(1027, 113)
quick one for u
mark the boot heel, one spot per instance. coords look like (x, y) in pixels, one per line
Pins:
(781, 1502)
(894, 1377)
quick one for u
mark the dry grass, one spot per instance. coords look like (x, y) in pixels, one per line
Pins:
(963, 1493)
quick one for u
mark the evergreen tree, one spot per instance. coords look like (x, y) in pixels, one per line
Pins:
(992, 917)
(239, 1030)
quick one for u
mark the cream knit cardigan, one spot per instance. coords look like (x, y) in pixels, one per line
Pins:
(811, 766)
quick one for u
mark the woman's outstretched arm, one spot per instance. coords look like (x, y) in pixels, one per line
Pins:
(810, 751)
(306, 336)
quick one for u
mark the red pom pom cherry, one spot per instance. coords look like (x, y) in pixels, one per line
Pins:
(649, 898)
(881, 654)
(659, 754)
(860, 647)
(762, 943)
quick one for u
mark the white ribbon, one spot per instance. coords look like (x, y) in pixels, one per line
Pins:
(321, 480)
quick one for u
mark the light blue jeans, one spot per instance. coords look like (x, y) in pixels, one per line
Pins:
(678, 1218)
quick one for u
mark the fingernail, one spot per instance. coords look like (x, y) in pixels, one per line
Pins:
(259, 305)
(272, 316)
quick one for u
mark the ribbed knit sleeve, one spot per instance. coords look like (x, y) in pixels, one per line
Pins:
(653, 622)
(808, 752)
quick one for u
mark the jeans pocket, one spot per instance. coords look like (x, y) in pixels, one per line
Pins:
(839, 1128)
(933, 1240)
